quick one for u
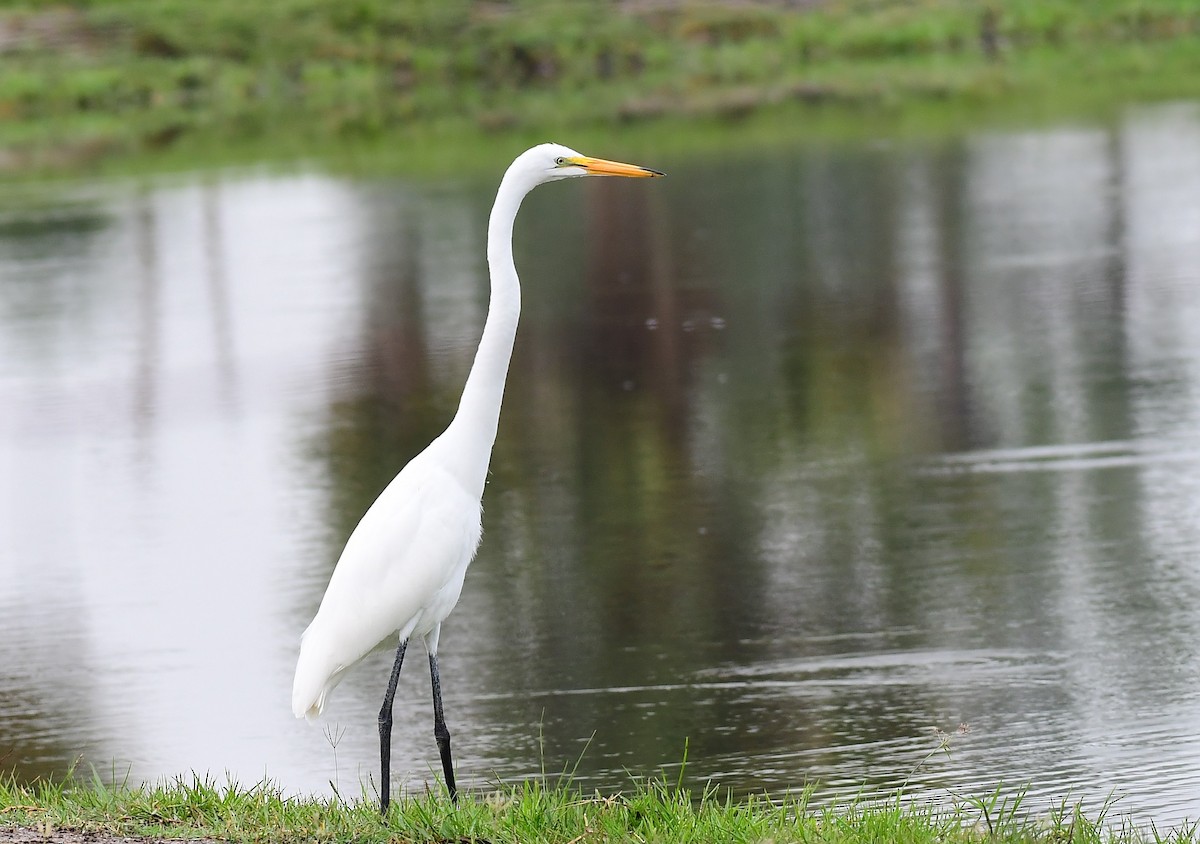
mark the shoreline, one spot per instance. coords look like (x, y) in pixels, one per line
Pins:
(655, 810)
(132, 85)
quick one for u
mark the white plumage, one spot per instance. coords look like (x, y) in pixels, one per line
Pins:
(384, 575)
(402, 569)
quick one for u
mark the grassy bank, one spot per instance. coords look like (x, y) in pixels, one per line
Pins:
(529, 813)
(84, 81)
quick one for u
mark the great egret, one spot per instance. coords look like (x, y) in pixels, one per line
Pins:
(403, 566)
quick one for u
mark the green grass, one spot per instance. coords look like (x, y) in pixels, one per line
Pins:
(531, 812)
(93, 80)
(101, 144)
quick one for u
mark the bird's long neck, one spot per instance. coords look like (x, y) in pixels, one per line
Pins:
(474, 426)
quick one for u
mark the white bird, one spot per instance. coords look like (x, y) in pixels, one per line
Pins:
(403, 566)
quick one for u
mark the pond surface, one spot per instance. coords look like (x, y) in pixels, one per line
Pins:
(804, 455)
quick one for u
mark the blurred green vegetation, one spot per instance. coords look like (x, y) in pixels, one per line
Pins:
(112, 75)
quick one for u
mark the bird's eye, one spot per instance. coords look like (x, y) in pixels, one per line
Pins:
(560, 161)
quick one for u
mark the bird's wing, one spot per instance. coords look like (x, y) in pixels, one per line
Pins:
(416, 538)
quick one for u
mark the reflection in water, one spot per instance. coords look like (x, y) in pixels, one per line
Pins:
(218, 294)
(149, 306)
(800, 457)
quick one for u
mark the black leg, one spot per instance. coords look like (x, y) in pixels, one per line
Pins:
(385, 733)
(440, 732)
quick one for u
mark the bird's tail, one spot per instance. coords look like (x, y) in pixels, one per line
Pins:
(316, 677)
(301, 709)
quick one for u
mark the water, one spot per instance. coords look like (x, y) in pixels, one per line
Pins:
(803, 456)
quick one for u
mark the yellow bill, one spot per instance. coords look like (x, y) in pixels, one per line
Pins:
(602, 167)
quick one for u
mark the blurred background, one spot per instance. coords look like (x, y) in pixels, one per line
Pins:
(860, 453)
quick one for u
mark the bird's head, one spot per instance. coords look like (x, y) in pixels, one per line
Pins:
(550, 162)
